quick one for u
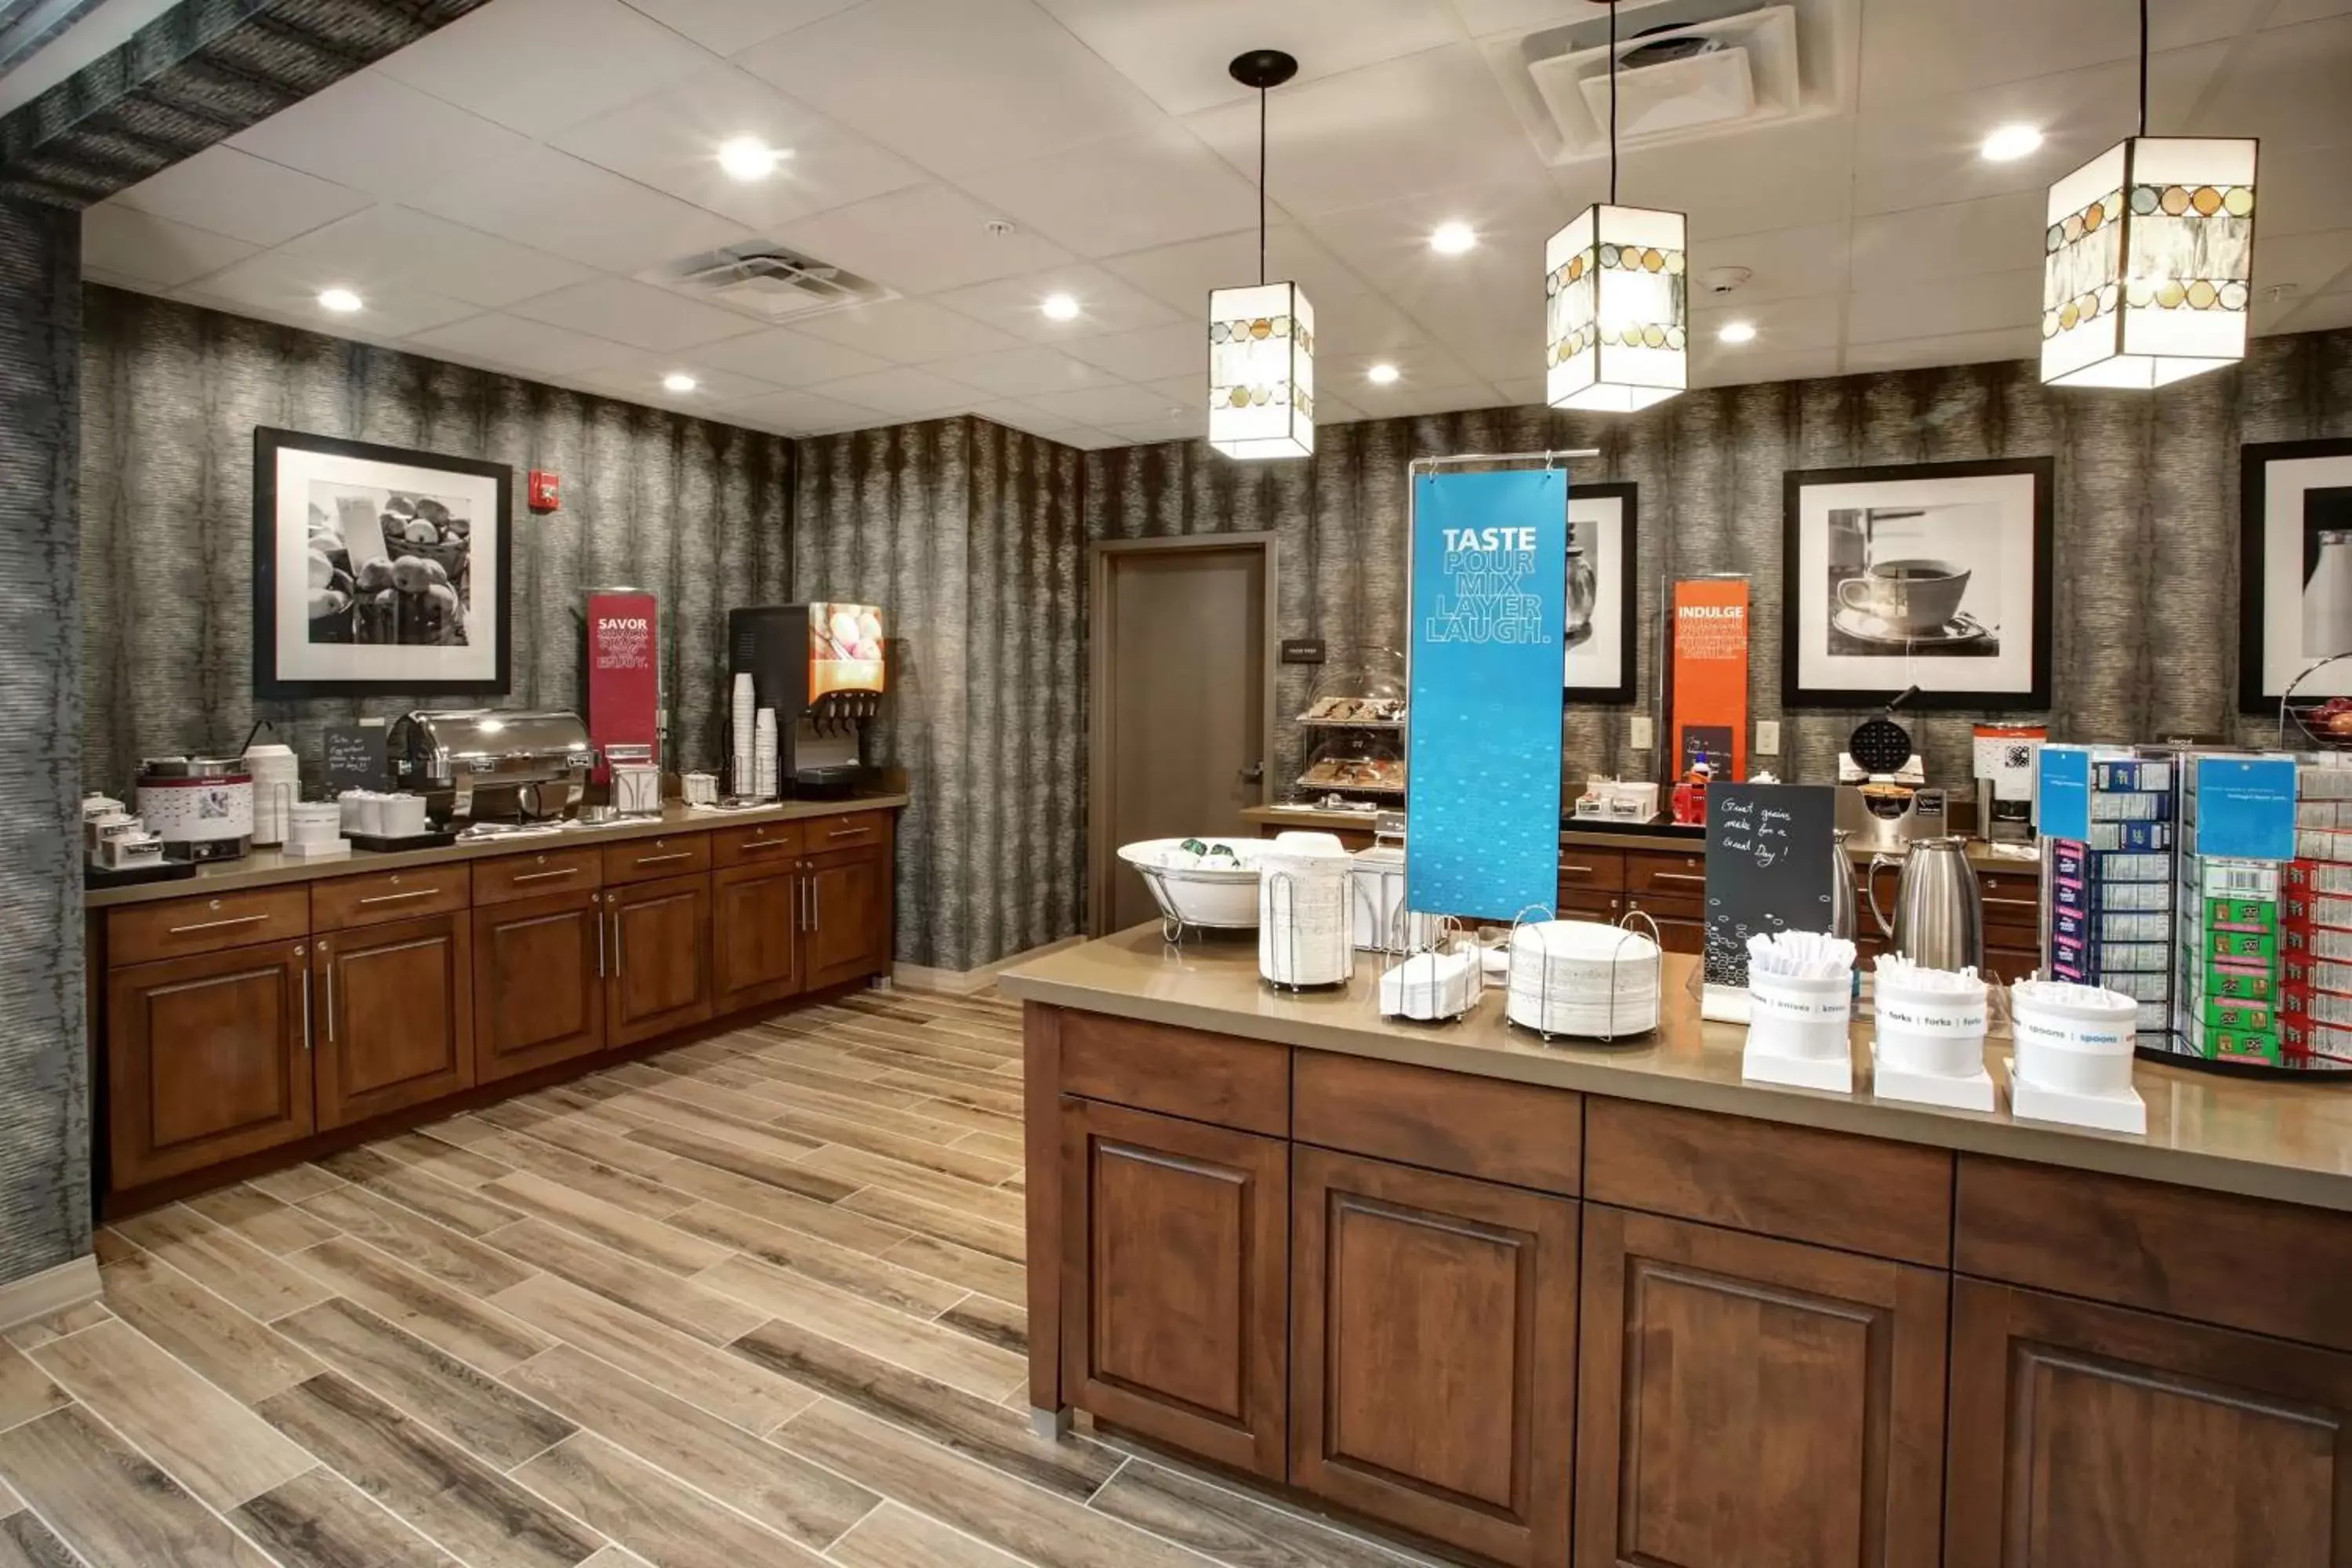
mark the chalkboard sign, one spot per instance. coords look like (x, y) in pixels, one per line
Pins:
(1769, 869)
(354, 757)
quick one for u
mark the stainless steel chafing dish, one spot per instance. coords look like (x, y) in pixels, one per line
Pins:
(487, 764)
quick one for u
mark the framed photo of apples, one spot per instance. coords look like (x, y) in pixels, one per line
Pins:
(378, 571)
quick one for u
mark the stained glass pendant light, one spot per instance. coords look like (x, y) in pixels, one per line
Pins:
(1616, 298)
(1261, 335)
(2148, 261)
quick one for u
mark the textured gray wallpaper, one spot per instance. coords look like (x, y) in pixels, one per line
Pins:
(696, 512)
(44, 1059)
(968, 535)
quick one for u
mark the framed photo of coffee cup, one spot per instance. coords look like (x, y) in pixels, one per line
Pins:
(1603, 620)
(1929, 574)
(378, 571)
(2294, 576)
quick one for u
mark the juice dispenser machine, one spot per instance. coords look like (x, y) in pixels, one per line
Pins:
(819, 667)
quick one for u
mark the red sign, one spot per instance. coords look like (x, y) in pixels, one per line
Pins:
(543, 490)
(624, 672)
(1709, 718)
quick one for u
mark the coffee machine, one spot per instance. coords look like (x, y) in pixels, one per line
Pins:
(819, 667)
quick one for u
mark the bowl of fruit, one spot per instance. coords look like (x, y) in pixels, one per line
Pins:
(2325, 723)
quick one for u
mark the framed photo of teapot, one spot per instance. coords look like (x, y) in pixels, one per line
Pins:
(1927, 575)
(378, 571)
(1603, 620)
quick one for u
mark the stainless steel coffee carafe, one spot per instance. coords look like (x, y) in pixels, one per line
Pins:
(1939, 912)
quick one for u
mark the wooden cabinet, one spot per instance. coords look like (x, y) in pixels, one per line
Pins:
(849, 932)
(394, 1023)
(1175, 1238)
(208, 1058)
(659, 975)
(1736, 1390)
(538, 982)
(1433, 1352)
(756, 913)
(2089, 1434)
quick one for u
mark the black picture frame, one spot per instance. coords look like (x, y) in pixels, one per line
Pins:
(1796, 695)
(2254, 459)
(270, 444)
(1628, 624)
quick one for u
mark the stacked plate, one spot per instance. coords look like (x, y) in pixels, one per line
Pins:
(1581, 978)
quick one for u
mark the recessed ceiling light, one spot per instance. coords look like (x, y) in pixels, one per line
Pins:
(1059, 307)
(2010, 142)
(1382, 374)
(341, 301)
(678, 381)
(747, 158)
(1453, 238)
(1737, 332)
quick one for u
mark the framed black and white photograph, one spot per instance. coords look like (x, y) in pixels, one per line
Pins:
(1931, 574)
(1603, 531)
(2295, 579)
(378, 571)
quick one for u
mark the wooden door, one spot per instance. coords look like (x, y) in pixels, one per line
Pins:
(848, 932)
(1743, 1400)
(660, 977)
(755, 935)
(1173, 1291)
(395, 1024)
(207, 1059)
(1434, 1352)
(2087, 1434)
(538, 982)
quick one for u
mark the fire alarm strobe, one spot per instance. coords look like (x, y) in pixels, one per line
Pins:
(544, 490)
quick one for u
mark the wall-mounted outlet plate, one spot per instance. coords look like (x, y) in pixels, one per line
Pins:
(1640, 738)
(1768, 738)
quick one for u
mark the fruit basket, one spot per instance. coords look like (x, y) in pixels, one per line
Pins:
(2324, 724)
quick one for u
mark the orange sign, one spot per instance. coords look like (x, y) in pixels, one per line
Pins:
(1708, 719)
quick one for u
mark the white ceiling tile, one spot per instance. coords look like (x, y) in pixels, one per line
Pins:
(955, 85)
(1989, 302)
(1106, 305)
(1782, 325)
(390, 245)
(1368, 326)
(1425, 124)
(638, 379)
(669, 141)
(2311, 263)
(530, 348)
(377, 135)
(1184, 275)
(1727, 369)
(920, 240)
(1189, 426)
(1484, 18)
(906, 331)
(1782, 263)
(536, 65)
(1442, 400)
(1179, 348)
(287, 287)
(1018, 416)
(1785, 175)
(798, 412)
(1178, 50)
(1101, 405)
(156, 251)
(634, 313)
(1090, 440)
(1331, 410)
(1522, 391)
(2299, 193)
(1087, 197)
(784, 357)
(1957, 348)
(1921, 48)
(2321, 313)
(1426, 364)
(2289, 12)
(224, 191)
(1991, 233)
(724, 27)
(1018, 373)
(556, 202)
(1190, 391)
(900, 391)
(2292, 87)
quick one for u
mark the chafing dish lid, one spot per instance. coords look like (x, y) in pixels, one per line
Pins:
(486, 734)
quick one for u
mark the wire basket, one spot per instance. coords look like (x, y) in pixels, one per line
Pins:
(2308, 719)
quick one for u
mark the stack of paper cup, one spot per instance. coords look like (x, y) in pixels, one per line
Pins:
(276, 785)
(743, 776)
(763, 754)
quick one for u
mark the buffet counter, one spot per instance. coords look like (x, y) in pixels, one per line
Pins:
(1449, 1278)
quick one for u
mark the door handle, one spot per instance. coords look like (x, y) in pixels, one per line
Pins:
(543, 876)
(328, 959)
(616, 939)
(302, 954)
(396, 898)
(215, 925)
(598, 898)
(658, 860)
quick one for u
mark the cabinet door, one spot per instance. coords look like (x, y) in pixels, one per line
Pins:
(1736, 1390)
(538, 982)
(755, 937)
(395, 1024)
(207, 1059)
(1433, 1356)
(2090, 1434)
(849, 934)
(660, 978)
(1172, 1292)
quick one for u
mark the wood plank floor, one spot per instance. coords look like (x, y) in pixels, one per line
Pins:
(756, 1302)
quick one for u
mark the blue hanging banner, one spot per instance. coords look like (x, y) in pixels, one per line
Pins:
(1488, 633)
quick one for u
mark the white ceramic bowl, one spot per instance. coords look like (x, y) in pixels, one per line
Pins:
(1219, 895)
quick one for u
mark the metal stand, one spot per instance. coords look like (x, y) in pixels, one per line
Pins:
(1542, 1028)
(1278, 884)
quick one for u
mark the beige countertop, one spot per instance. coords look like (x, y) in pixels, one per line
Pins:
(269, 869)
(2263, 1138)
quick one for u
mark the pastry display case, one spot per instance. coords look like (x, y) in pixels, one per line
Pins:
(1353, 728)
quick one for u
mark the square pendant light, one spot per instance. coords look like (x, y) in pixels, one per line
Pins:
(1262, 371)
(2147, 264)
(1616, 310)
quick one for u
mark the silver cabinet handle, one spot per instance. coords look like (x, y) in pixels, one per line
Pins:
(808, 887)
(302, 952)
(616, 940)
(1577, 871)
(396, 898)
(817, 904)
(544, 875)
(673, 855)
(1676, 877)
(766, 842)
(331, 991)
(215, 925)
(593, 898)
(848, 832)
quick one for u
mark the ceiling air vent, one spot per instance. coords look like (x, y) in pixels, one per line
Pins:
(769, 280)
(1715, 67)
